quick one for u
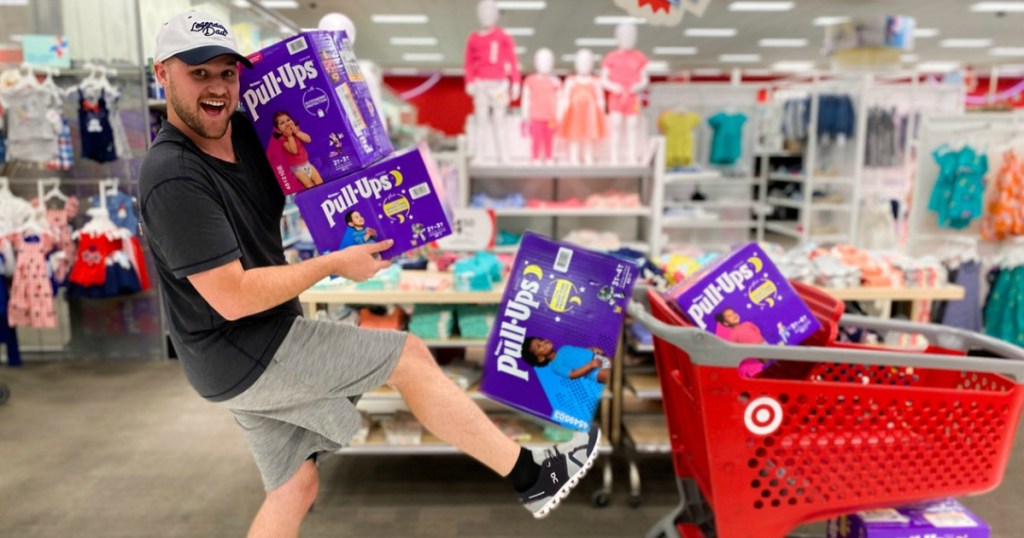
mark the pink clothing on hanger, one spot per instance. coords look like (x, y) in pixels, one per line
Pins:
(491, 56)
(543, 96)
(625, 68)
(59, 220)
(584, 119)
(31, 302)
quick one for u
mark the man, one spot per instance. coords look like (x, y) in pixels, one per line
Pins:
(212, 209)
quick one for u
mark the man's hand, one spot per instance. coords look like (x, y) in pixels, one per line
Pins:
(358, 262)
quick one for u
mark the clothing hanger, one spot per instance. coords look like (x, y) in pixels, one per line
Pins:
(54, 191)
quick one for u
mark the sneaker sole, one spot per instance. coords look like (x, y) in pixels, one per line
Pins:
(563, 492)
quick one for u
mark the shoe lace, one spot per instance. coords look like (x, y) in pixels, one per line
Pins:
(551, 453)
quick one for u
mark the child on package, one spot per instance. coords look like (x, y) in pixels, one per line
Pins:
(358, 233)
(292, 140)
(572, 362)
(743, 298)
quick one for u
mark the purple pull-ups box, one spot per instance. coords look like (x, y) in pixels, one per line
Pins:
(394, 198)
(312, 110)
(940, 519)
(558, 327)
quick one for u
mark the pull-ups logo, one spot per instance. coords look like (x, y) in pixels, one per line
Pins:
(209, 28)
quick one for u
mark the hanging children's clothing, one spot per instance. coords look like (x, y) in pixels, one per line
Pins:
(965, 314)
(678, 130)
(959, 190)
(543, 112)
(94, 124)
(1003, 317)
(121, 207)
(625, 68)
(1004, 209)
(31, 302)
(727, 141)
(58, 220)
(65, 156)
(8, 337)
(31, 133)
(583, 119)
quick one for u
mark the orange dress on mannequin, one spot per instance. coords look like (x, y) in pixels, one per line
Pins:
(584, 119)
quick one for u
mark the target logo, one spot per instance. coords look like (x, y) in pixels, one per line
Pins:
(763, 416)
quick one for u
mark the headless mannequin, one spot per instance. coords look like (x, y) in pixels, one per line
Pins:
(492, 70)
(624, 75)
(540, 98)
(579, 126)
(371, 73)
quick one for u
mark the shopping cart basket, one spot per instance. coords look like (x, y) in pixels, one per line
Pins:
(829, 428)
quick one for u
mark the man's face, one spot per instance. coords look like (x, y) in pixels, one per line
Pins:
(541, 347)
(357, 220)
(731, 317)
(203, 96)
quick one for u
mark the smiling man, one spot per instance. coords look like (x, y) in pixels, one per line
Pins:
(212, 212)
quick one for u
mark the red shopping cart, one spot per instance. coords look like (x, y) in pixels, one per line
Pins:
(828, 428)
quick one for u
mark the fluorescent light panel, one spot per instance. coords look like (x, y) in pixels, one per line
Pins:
(521, 5)
(998, 7)
(280, 4)
(13, 2)
(596, 42)
(829, 21)
(423, 57)
(708, 72)
(740, 58)
(761, 6)
(1007, 51)
(675, 51)
(400, 19)
(925, 32)
(937, 67)
(793, 66)
(782, 42)
(414, 41)
(709, 32)
(572, 57)
(969, 43)
(242, 3)
(520, 31)
(658, 66)
(618, 19)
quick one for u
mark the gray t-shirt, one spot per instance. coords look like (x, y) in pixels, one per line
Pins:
(200, 213)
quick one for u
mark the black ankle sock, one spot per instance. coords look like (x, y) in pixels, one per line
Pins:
(525, 473)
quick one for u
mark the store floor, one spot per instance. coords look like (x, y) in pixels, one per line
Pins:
(126, 449)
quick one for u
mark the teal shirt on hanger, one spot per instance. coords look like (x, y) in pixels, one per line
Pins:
(727, 141)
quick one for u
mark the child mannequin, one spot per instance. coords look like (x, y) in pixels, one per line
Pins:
(624, 75)
(491, 69)
(540, 98)
(581, 109)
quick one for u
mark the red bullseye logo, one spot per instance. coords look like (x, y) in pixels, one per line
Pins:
(763, 416)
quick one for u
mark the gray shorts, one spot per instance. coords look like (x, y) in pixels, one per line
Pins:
(304, 403)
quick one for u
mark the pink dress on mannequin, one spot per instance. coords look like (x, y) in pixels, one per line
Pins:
(542, 113)
(584, 119)
(625, 68)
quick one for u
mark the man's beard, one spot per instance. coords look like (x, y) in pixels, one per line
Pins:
(193, 119)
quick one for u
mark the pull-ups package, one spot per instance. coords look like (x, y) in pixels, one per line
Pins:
(939, 519)
(312, 110)
(558, 327)
(391, 199)
(743, 298)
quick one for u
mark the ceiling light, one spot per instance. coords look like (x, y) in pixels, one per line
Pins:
(13, 2)
(242, 3)
(572, 57)
(909, 58)
(1012, 70)
(937, 67)
(758, 72)
(760, 6)
(521, 5)
(413, 41)
(520, 50)
(17, 38)
(997, 7)
(597, 42)
(965, 43)
(829, 21)
(1007, 51)
(925, 32)
(618, 19)
(520, 31)
(423, 57)
(658, 66)
(793, 66)
(707, 72)
(740, 58)
(710, 32)
(280, 4)
(399, 19)
(782, 42)
(675, 51)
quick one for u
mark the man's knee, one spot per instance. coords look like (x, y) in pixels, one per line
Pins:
(414, 358)
(302, 488)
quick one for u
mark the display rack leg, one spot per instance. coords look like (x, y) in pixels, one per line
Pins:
(692, 518)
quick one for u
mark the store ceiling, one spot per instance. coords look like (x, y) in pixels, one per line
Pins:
(562, 22)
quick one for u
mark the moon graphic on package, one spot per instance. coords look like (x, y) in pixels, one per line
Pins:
(757, 263)
(534, 270)
(398, 177)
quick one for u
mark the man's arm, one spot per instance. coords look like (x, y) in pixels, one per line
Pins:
(236, 293)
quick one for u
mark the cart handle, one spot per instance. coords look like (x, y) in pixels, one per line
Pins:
(706, 349)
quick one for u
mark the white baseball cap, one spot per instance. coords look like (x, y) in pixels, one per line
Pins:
(195, 38)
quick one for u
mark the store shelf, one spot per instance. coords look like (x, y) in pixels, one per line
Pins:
(945, 293)
(572, 212)
(794, 178)
(641, 247)
(782, 202)
(712, 204)
(457, 342)
(843, 208)
(783, 228)
(687, 222)
(349, 294)
(645, 386)
(816, 180)
(690, 177)
(530, 171)
(649, 433)
(376, 444)
(387, 394)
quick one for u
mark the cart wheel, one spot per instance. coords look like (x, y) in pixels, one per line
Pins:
(634, 501)
(600, 499)
(5, 393)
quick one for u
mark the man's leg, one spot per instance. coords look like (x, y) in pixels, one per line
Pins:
(447, 411)
(285, 507)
